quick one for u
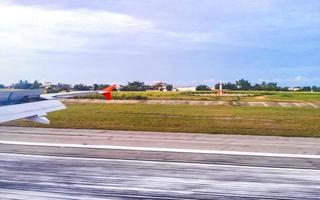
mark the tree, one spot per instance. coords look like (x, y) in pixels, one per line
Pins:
(63, 87)
(162, 86)
(227, 86)
(316, 89)
(202, 88)
(169, 87)
(100, 86)
(2, 86)
(95, 86)
(307, 88)
(257, 87)
(243, 84)
(81, 87)
(272, 86)
(136, 86)
(36, 85)
(22, 85)
(284, 89)
(159, 86)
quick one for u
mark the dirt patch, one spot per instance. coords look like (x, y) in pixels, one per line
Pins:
(260, 97)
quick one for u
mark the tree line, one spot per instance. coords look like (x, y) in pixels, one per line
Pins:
(264, 86)
(241, 84)
(51, 88)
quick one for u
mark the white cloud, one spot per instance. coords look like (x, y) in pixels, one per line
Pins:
(33, 28)
(124, 35)
(30, 30)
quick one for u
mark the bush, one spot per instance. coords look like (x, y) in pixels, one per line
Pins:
(203, 88)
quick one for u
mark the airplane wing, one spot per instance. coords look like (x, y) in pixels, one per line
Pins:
(65, 95)
(106, 92)
(37, 107)
(34, 111)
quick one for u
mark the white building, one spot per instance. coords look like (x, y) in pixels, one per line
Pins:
(294, 89)
(185, 88)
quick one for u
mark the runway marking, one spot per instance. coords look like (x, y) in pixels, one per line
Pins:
(313, 105)
(112, 188)
(299, 104)
(258, 104)
(158, 162)
(175, 150)
(282, 104)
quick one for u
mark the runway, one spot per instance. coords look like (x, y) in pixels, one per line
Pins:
(201, 103)
(79, 164)
(47, 177)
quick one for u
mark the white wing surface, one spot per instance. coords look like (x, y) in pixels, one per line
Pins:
(34, 111)
(29, 104)
(65, 95)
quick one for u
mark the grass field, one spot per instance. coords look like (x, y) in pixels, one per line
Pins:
(184, 118)
(209, 96)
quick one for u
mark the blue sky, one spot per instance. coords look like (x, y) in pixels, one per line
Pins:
(185, 42)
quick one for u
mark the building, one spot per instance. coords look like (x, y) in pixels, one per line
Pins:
(185, 88)
(294, 89)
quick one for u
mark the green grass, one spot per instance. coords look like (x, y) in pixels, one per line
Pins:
(156, 95)
(209, 96)
(185, 118)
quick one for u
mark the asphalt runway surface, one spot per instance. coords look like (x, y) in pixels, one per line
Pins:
(79, 164)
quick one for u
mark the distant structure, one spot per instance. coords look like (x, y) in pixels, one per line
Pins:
(185, 88)
(220, 91)
(161, 86)
(47, 84)
(49, 87)
(294, 89)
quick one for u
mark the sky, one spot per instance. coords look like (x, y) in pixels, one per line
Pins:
(184, 42)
